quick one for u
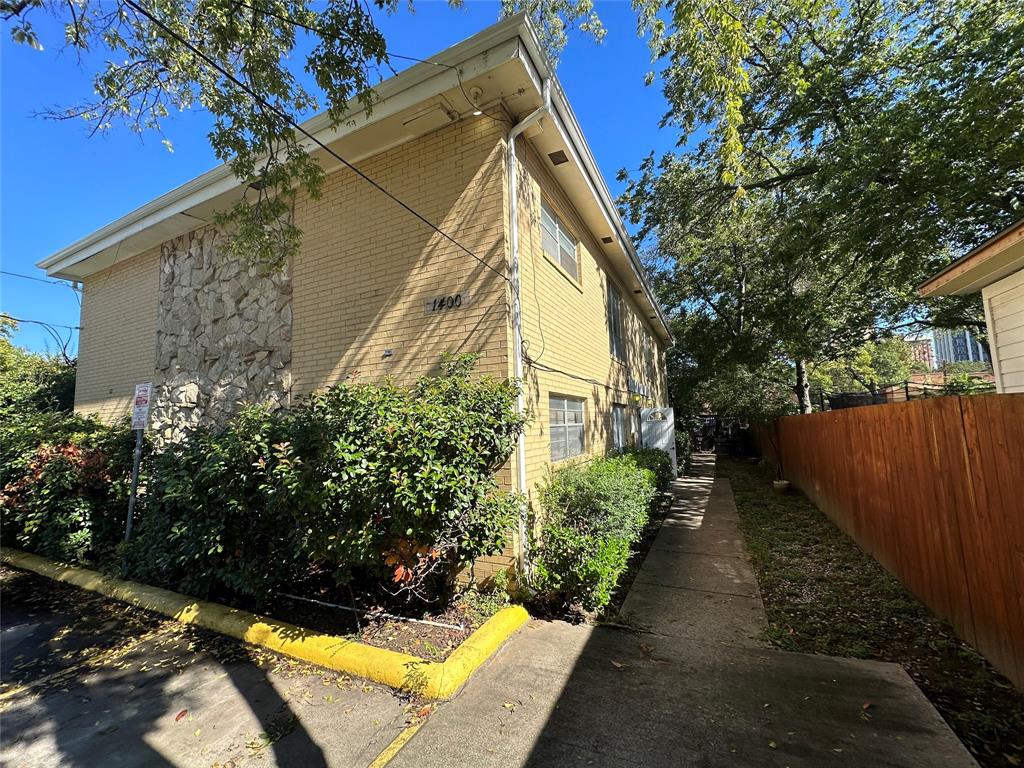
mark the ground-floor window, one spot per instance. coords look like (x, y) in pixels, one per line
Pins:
(567, 439)
(619, 438)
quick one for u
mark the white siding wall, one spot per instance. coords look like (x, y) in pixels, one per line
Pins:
(1004, 314)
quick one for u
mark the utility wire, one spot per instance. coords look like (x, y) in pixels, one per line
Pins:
(76, 290)
(41, 322)
(530, 363)
(51, 328)
(39, 279)
(295, 125)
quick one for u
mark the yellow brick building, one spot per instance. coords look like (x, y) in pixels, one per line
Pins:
(480, 147)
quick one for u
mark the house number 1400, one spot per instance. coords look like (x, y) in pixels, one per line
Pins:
(446, 303)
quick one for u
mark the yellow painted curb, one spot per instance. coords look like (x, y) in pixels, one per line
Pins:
(435, 680)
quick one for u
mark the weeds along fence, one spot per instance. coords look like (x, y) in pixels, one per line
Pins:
(934, 490)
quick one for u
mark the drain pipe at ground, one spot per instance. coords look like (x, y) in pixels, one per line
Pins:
(517, 314)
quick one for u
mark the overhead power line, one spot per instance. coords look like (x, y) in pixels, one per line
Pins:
(51, 328)
(390, 54)
(41, 322)
(39, 279)
(296, 126)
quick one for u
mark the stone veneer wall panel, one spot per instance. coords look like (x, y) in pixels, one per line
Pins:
(224, 335)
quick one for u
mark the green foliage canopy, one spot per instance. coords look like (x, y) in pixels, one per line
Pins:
(879, 139)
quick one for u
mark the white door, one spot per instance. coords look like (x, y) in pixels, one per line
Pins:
(658, 430)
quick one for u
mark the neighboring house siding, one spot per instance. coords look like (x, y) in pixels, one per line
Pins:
(117, 343)
(1004, 313)
(565, 326)
(367, 267)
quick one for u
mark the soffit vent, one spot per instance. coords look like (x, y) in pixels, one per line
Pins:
(557, 158)
(607, 240)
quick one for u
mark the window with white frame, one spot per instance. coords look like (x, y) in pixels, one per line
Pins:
(566, 427)
(616, 338)
(619, 439)
(558, 244)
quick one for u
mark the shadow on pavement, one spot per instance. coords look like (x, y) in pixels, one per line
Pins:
(697, 687)
(691, 685)
(89, 681)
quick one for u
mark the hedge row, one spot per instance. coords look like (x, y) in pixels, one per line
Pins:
(388, 486)
(594, 513)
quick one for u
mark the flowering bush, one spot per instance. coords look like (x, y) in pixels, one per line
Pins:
(67, 500)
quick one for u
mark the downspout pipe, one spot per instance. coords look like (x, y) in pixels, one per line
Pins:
(517, 307)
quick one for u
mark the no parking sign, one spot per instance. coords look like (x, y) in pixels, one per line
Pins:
(140, 406)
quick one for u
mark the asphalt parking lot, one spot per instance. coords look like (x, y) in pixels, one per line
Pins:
(88, 681)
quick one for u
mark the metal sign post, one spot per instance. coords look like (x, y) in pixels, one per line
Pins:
(140, 420)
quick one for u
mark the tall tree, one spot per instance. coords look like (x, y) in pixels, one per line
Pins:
(867, 367)
(888, 136)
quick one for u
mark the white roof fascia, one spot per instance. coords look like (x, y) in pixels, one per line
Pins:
(410, 83)
(569, 127)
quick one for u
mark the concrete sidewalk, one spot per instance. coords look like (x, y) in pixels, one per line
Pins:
(694, 688)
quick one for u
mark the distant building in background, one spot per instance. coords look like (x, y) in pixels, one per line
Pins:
(957, 346)
(922, 351)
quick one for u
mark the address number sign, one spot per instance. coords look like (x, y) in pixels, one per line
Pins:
(446, 303)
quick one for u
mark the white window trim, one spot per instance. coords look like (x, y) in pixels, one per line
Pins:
(563, 427)
(561, 236)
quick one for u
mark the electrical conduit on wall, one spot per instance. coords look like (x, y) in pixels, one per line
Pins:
(517, 317)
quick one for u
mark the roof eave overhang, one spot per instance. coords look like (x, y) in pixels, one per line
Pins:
(569, 128)
(999, 256)
(221, 180)
(169, 215)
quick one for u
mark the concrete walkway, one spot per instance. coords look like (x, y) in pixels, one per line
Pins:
(695, 687)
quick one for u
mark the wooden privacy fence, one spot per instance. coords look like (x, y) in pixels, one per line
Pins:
(934, 490)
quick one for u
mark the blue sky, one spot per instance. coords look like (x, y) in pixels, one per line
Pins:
(57, 184)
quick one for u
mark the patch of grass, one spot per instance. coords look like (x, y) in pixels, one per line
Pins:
(478, 603)
(823, 594)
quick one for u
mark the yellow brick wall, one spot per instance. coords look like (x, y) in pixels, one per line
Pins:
(565, 326)
(117, 343)
(367, 267)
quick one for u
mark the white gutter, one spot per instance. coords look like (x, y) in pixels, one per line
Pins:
(517, 308)
(567, 124)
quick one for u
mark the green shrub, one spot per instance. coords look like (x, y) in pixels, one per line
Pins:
(657, 461)
(217, 511)
(67, 499)
(965, 384)
(386, 484)
(32, 382)
(405, 478)
(63, 477)
(593, 513)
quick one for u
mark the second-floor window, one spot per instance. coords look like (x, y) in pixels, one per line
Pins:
(558, 244)
(616, 339)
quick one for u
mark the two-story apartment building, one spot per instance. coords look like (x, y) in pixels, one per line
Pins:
(539, 276)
